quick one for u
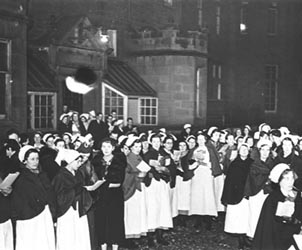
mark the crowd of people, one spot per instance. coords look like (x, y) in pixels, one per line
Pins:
(97, 183)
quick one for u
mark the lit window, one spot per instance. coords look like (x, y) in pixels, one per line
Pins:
(272, 21)
(5, 75)
(199, 6)
(42, 110)
(113, 100)
(219, 91)
(148, 109)
(218, 20)
(271, 88)
(243, 18)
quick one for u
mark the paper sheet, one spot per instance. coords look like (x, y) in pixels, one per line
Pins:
(285, 209)
(298, 240)
(143, 166)
(9, 180)
(95, 185)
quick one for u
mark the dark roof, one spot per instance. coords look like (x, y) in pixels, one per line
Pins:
(40, 77)
(122, 77)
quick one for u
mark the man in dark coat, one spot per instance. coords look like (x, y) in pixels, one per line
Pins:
(98, 129)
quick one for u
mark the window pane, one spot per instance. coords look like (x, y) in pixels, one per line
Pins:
(154, 102)
(153, 120)
(153, 111)
(2, 92)
(37, 123)
(148, 102)
(43, 100)
(3, 56)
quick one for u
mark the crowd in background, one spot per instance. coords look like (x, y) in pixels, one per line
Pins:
(96, 183)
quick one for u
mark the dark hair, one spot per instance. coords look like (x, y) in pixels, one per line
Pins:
(13, 144)
(287, 139)
(182, 141)
(58, 140)
(135, 141)
(108, 140)
(129, 119)
(275, 132)
(262, 133)
(23, 138)
(28, 152)
(285, 172)
(167, 138)
(12, 131)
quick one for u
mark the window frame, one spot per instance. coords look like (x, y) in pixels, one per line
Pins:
(218, 20)
(269, 81)
(31, 105)
(8, 77)
(272, 22)
(139, 111)
(125, 100)
(243, 18)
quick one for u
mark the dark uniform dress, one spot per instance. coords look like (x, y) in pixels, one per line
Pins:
(109, 208)
(273, 232)
(32, 200)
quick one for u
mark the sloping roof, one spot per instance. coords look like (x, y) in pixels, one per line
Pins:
(126, 80)
(40, 77)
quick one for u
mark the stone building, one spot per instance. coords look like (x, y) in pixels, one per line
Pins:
(13, 75)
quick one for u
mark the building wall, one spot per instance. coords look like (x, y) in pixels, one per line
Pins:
(174, 79)
(13, 25)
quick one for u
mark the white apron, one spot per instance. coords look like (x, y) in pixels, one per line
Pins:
(36, 233)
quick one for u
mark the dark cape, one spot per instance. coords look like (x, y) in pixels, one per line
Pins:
(153, 154)
(132, 182)
(233, 190)
(31, 193)
(273, 232)
(214, 159)
(109, 208)
(69, 190)
(257, 178)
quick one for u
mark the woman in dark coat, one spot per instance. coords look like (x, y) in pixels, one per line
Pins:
(236, 219)
(275, 230)
(32, 200)
(109, 211)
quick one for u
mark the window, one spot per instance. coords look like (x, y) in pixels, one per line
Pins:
(218, 20)
(243, 18)
(5, 74)
(148, 110)
(74, 101)
(114, 100)
(42, 108)
(215, 89)
(199, 6)
(272, 21)
(271, 88)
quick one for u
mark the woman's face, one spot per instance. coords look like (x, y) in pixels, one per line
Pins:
(50, 142)
(66, 138)
(243, 152)
(238, 132)
(182, 146)
(136, 148)
(125, 150)
(155, 143)
(60, 145)
(201, 140)
(32, 162)
(37, 138)
(107, 148)
(168, 144)
(287, 181)
(287, 146)
(264, 152)
(215, 136)
(246, 131)
(145, 145)
(75, 117)
(192, 143)
(250, 142)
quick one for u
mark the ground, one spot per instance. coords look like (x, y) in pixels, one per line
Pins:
(188, 238)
